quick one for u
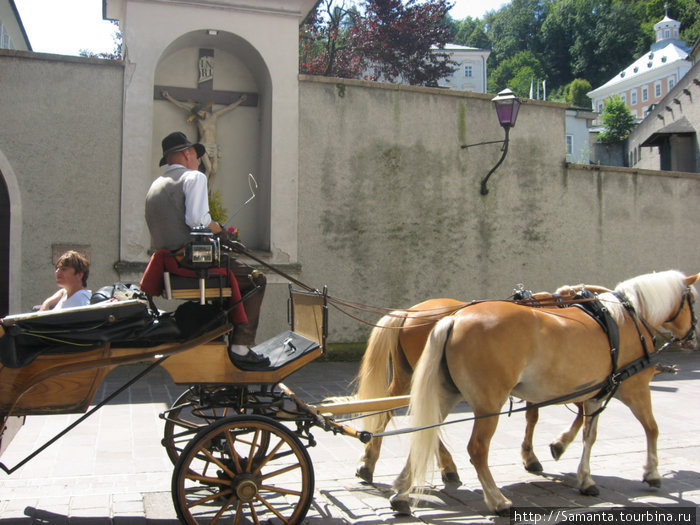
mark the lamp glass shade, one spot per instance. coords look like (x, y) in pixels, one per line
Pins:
(507, 106)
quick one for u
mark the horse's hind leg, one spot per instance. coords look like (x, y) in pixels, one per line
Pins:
(530, 461)
(559, 445)
(365, 470)
(478, 449)
(400, 384)
(448, 469)
(586, 485)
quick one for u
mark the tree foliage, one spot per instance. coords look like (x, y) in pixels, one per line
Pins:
(575, 93)
(517, 73)
(564, 40)
(399, 40)
(617, 121)
(327, 41)
(391, 39)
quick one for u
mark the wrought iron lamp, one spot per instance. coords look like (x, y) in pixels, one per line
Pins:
(507, 106)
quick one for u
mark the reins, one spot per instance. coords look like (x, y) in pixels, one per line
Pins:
(343, 305)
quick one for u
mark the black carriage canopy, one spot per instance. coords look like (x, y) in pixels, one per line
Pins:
(122, 323)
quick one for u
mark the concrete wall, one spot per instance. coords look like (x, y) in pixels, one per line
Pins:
(391, 212)
(60, 151)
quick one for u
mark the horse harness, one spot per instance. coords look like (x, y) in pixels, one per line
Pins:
(597, 310)
(590, 304)
(602, 316)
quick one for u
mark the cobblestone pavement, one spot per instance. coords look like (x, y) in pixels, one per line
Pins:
(112, 469)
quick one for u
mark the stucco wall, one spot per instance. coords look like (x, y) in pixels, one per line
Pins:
(61, 138)
(391, 212)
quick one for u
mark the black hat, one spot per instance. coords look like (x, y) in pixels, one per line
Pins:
(177, 141)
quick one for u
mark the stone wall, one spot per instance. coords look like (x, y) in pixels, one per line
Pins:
(60, 139)
(391, 214)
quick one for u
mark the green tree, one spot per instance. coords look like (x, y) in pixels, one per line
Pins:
(472, 32)
(617, 121)
(591, 38)
(516, 27)
(516, 73)
(575, 93)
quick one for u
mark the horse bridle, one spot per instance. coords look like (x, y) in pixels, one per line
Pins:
(691, 331)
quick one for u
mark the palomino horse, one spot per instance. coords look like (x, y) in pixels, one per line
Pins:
(393, 349)
(493, 349)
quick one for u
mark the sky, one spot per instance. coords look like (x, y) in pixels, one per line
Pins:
(64, 27)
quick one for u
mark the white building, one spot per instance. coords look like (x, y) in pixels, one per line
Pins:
(649, 79)
(12, 33)
(470, 74)
(578, 145)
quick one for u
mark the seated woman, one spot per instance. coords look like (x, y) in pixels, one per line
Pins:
(72, 271)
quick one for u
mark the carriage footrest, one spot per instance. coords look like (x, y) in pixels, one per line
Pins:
(285, 348)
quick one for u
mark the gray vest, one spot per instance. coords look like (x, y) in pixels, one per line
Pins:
(165, 211)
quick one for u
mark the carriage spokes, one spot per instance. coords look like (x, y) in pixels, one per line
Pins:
(243, 466)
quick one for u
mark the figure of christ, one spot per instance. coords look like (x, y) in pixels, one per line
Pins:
(206, 125)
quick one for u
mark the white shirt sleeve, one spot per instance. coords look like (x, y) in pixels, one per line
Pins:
(196, 199)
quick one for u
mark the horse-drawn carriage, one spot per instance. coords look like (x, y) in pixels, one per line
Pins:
(238, 438)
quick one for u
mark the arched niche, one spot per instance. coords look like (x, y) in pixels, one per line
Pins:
(242, 135)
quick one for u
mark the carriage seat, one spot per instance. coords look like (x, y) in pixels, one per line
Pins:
(23, 337)
(179, 287)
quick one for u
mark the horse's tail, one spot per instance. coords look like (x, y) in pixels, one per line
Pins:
(375, 370)
(426, 392)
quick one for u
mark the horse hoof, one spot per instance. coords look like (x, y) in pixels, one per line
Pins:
(451, 478)
(503, 512)
(400, 506)
(591, 490)
(535, 467)
(365, 474)
(653, 483)
(556, 449)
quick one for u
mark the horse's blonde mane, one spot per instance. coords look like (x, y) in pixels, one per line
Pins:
(654, 296)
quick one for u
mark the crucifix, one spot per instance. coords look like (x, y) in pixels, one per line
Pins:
(199, 104)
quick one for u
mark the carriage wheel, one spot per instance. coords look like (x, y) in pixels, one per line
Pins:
(185, 418)
(216, 478)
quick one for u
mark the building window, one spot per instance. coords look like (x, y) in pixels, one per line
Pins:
(633, 97)
(600, 107)
(623, 97)
(569, 144)
(645, 94)
(468, 71)
(671, 83)
(657, 89)
(5, 39)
